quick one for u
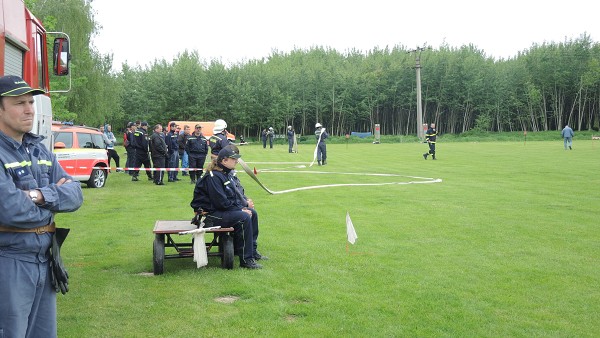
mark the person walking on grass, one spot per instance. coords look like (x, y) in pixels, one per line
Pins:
(430, 137)
(34, 188)
(567, 134)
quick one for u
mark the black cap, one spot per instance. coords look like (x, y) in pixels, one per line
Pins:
(173, 124)
(12, 85)
(144, 123)
(227, 152)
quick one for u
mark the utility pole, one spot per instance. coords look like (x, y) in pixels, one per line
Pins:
(417, 52)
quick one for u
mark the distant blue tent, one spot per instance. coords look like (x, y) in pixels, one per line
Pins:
(361, 134)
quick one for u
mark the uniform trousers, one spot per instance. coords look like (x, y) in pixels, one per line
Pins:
(141, 158)
(158, 162)
(196, 161)
(245, 231)
(27, 299)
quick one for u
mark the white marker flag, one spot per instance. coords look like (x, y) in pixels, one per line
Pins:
(350, 229)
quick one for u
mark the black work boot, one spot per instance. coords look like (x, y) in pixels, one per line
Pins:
(258, 256)
(425, 155)
(433, 156)
(250, 264)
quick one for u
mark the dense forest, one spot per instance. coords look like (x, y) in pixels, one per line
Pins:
(542, 88)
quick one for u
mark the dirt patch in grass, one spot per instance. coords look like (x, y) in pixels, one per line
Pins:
(146, 274)
(227, 299)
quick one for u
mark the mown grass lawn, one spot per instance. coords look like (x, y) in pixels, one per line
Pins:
(506, 245)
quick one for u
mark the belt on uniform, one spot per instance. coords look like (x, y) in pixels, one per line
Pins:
(39, 230)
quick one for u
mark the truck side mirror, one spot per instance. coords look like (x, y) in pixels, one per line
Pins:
(61, 56)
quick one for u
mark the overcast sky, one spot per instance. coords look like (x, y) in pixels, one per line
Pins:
(140, 31)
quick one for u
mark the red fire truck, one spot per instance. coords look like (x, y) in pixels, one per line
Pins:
(24, 52)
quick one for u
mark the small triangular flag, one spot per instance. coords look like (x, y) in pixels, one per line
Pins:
(350, 229)
(255, 172)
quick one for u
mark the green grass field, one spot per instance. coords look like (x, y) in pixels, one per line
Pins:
(506, 245)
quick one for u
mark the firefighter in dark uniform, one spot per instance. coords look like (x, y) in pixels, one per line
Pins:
(430, 136)
(217, 194)
(219, 139)
(131, 127)
(139, 142)
(159, 153)
(197, 148)
(173, 147)
(321, 136)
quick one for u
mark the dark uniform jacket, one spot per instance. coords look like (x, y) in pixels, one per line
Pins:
(431, 135)
(181, 141)
(139, 141)
(218, 142)
(26, 166)
(158, 147)
(323, 135)
(217, 190)
(196, 145)
(171, 141)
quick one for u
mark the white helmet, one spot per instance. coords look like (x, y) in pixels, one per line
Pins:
(220, 125)
(271, 128)
(318, 125)
(289, 127)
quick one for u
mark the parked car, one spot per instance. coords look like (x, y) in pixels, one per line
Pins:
(81, 152)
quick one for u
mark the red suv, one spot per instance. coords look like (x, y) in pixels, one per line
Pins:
(81, 152)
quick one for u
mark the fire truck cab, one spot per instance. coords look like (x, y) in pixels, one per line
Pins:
(24, 52)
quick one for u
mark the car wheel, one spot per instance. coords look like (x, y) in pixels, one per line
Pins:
(97, 179)
(228, 254)
(158, 254)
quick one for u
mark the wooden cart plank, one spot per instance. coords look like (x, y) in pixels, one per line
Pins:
(174, 227)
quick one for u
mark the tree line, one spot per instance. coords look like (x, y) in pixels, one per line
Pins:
(463, 89)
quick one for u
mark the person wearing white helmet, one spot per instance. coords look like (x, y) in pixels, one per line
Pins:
(219, 139)
(270, 135)
(321, 135)
(290, 137)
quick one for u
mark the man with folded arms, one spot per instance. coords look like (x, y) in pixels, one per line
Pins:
(34, 187)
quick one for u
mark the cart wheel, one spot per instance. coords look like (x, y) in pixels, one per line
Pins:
(227, 247)
(159, 254)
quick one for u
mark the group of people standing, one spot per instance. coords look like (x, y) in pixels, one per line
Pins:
(165, 148)
(269, 135)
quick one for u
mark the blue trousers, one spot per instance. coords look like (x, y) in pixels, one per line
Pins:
(568, 142)
(185, 161)
(173, 163)
(322, 152)
(27, 299)
(245, 230)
